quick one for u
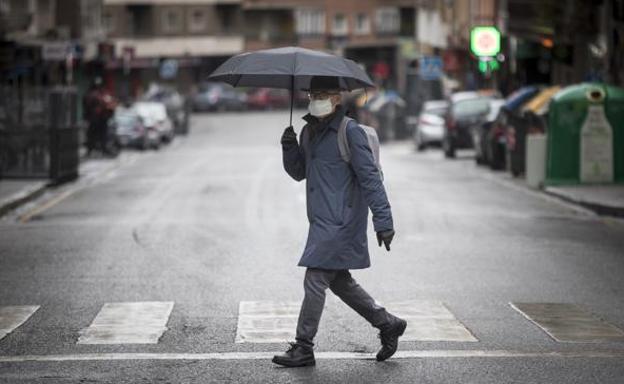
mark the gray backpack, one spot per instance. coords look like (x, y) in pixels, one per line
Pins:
(371, 136)
(343, 143)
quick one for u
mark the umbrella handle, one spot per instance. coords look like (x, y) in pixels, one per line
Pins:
(292, 97)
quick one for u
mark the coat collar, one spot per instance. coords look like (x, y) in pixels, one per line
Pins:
(334, 120)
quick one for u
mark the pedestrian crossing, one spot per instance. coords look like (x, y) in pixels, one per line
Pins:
(128, 323)
(275, 322)
(14, 316)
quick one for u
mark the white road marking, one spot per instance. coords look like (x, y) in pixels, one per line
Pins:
(128, 323)
(12, 317)
(267, 321)
(570, 323)
(432, 354)
(429, 321)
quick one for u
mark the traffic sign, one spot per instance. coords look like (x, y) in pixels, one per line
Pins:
(169, 69)
(485, 41)
(430, 67)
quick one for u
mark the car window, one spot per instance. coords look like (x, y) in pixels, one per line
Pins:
(125, 119)
(471, 107)
(436, 111)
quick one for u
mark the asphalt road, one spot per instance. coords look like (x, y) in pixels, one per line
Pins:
(213, 220)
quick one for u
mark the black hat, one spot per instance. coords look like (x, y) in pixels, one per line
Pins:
(324, 83)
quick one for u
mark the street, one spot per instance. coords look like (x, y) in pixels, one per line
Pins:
(213, 221)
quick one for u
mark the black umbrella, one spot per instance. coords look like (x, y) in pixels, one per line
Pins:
(289, 68)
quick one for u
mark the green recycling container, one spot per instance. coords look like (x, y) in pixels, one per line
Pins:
(586, 135)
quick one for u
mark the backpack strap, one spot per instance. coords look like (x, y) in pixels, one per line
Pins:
(343, 143)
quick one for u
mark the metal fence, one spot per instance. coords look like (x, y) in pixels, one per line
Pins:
(38, 132)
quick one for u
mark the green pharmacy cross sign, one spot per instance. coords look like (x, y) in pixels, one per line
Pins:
(485, 41)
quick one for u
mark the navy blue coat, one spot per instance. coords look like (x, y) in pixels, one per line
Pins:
(339, 195)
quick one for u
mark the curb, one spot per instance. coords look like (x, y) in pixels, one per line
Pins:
(24, 196)
(598, 208)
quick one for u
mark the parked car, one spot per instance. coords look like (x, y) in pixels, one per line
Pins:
(429, 125)
(532, 120)
(465, 110)
(218, 97)
(268, 98)
(130, 130)
(481, 130)
(154, 116)
(495, 147)
(176, 104)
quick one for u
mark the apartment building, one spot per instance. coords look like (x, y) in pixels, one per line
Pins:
(48, 38)
(373, 32)
(188, 37)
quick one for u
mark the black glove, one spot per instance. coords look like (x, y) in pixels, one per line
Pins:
(289, 137)
(385, 237)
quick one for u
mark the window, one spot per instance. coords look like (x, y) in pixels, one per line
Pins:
(108, 22)
(339, 25)
(387, 20)
(5, 6)
(172, 20)
(197, 20)
(310, 22)
(362, 24)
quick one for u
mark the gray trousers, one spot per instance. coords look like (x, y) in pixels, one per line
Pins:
(348, 290)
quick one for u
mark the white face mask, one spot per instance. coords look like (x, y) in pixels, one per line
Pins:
(321, 107)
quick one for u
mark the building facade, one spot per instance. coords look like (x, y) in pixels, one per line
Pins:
(158, 40)
(379, 34)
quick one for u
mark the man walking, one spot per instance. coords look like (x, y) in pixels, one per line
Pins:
(339, 194)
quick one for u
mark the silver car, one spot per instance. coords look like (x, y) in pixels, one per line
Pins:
(154, 115)
(430, 124)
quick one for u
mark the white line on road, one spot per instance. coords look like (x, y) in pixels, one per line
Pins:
(128, 323)
(12, 317)
(566, 322)
(470, 353)
(267, 321)
(429, 321)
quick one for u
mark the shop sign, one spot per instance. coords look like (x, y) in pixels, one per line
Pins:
(56, 51)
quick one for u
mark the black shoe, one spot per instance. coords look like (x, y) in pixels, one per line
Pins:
(296, 356)
(390, 339)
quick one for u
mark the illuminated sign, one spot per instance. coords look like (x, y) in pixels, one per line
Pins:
(485, 41)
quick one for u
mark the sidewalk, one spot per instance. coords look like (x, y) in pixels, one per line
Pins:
(14, 193)
(603, 199)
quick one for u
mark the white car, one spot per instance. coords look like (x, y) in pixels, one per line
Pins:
(154, 115)
(430, 124)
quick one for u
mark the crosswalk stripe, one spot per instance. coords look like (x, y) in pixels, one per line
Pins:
(276, 322)
(566, 322)
(128, 323)
(12, 317)
(429, 321)
(267, 321)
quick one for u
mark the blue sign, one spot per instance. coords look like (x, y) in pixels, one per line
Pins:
(169, 69)
(430, 67)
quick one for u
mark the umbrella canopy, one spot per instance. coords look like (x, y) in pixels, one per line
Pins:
(289, 68)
